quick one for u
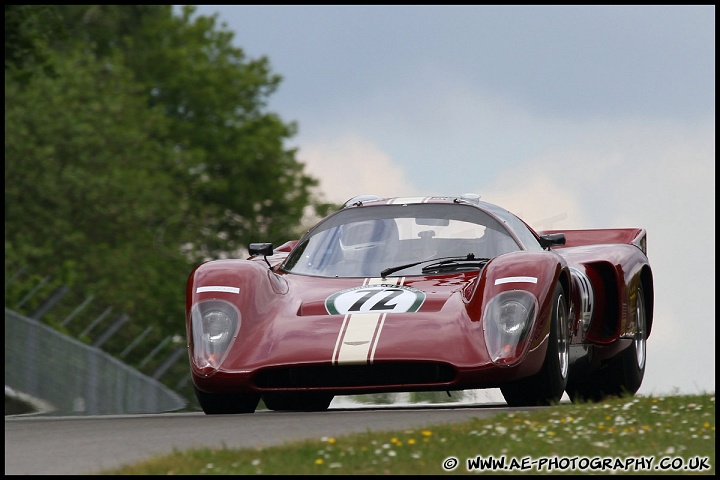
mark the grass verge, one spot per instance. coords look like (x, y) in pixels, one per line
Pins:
(632, 435)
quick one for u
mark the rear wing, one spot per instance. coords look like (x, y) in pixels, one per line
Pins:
(602, 236)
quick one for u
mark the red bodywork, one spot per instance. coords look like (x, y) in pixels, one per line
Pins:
(285, 326)
(288, 340)
(615, 262)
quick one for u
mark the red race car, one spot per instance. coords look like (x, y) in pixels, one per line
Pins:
(421, 294)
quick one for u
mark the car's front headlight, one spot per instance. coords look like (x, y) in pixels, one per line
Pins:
(507, 320)
(214, 324)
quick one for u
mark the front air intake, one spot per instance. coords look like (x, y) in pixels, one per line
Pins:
(349, 376)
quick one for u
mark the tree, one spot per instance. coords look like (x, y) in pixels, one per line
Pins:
(242, 183)
(87, 183)
(28, 31)
(144, 149)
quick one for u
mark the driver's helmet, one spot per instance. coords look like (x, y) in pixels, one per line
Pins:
(368, 240)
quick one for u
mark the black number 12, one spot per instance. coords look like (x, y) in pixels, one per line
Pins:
(380, 305)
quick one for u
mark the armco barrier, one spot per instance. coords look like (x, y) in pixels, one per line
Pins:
(74, 378)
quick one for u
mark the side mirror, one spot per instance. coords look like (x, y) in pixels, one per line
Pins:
(264, 249)
(552, 240)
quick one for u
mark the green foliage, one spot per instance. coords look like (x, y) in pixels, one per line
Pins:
(614, 434)
(87, 190)
(138, 144)
(29, 29)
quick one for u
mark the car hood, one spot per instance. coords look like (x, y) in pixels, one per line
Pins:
(362, 321)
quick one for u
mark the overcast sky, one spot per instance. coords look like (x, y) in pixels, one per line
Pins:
(569, 116)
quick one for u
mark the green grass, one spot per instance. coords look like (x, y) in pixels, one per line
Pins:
(621, 432)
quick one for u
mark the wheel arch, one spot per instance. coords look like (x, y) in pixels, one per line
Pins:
(605, 323)
(565, 281)
(646, 280)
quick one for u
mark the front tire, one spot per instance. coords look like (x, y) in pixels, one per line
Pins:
(548, 385)
(227, 403)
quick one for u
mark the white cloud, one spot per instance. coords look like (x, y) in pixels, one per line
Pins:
(536, 197)
(349, 166)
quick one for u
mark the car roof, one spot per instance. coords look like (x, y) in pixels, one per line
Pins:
(364, 200)
(515, 223)
(467, 198)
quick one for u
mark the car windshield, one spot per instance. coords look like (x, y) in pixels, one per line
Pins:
(364, 241)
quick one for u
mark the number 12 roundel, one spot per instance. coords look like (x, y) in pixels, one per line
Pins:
(375, 298)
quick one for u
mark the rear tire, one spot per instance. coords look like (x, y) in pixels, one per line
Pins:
(298, 402)
(624, 374)
(227, 403)
(548, 385)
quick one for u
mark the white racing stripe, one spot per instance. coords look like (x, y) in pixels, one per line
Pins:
(356, 341)
(218, 288)
(403, 200)
(500, 281)
(360, 332)
(384, 281)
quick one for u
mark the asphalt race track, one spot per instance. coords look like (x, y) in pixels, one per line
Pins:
(36, 445)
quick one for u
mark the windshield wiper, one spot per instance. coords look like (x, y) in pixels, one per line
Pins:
(442, 261)
(455, 263)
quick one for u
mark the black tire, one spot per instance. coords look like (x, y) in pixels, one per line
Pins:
(624, 374)
(548, 385)
(298, 402)
(227, 403)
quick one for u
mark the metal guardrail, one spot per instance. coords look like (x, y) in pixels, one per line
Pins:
(75, 378)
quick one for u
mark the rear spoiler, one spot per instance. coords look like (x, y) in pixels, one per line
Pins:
(602, 236)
